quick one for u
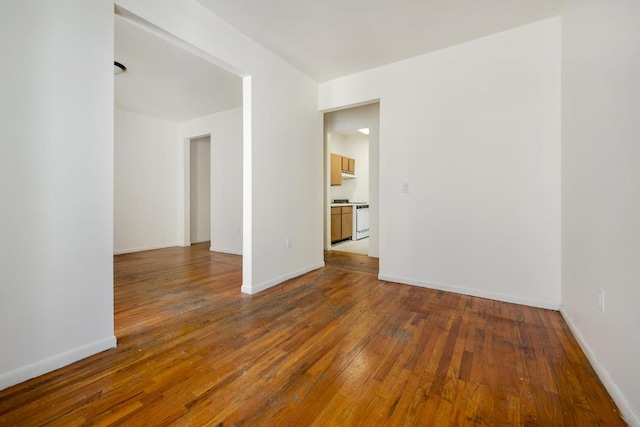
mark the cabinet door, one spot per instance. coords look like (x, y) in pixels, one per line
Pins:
(347, 223)
(345, 164)
(336, 227)
(352, 166)
(336, 169)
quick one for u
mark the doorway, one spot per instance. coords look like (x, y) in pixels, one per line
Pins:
(162, 112)
(200, 189)
(353, 134)
(349, 190)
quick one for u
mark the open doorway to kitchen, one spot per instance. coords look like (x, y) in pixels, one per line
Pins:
(351, 138)
(349, 190)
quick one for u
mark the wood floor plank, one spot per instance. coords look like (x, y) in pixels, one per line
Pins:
(333, 347)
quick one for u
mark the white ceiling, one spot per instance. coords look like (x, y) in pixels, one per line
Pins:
(326, 39)
(165, 81)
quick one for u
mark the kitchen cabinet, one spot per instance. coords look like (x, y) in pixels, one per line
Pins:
(348, 165)
(347, 222)
(341, 164)
(336, 224)
(336, 169)
(341, 223)
(345, 164)
(351, 168)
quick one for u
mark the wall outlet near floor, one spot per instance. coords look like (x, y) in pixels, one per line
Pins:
(601, 300)
(287, 242)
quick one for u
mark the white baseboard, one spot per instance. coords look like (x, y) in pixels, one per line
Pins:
(41, 367)
(626, 410)
(276, 281)
(469, 291)
(143, 248)
(225, 250)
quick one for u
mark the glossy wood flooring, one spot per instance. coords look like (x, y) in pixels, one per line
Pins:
(335, 347)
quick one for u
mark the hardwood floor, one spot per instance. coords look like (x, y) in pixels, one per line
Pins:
(335, 347)
(351, 261)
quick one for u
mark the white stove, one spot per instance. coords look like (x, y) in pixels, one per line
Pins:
(360, 221)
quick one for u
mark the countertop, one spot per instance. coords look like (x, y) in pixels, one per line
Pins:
(337, 205)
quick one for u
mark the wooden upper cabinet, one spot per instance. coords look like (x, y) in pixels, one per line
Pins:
(336, 169)
(351, 166)
(341, 164)
(348, 165)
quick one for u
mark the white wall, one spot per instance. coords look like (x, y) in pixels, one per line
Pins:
(146, 182)
(56, 159)
(600, 189)
(225, 130)
(365, 116)
(474, 131)
(285, 129)
(200, 197)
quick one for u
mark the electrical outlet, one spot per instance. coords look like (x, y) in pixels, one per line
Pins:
(601, 300)
(287, 243)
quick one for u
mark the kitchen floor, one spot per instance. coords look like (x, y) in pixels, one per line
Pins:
(353, 246)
